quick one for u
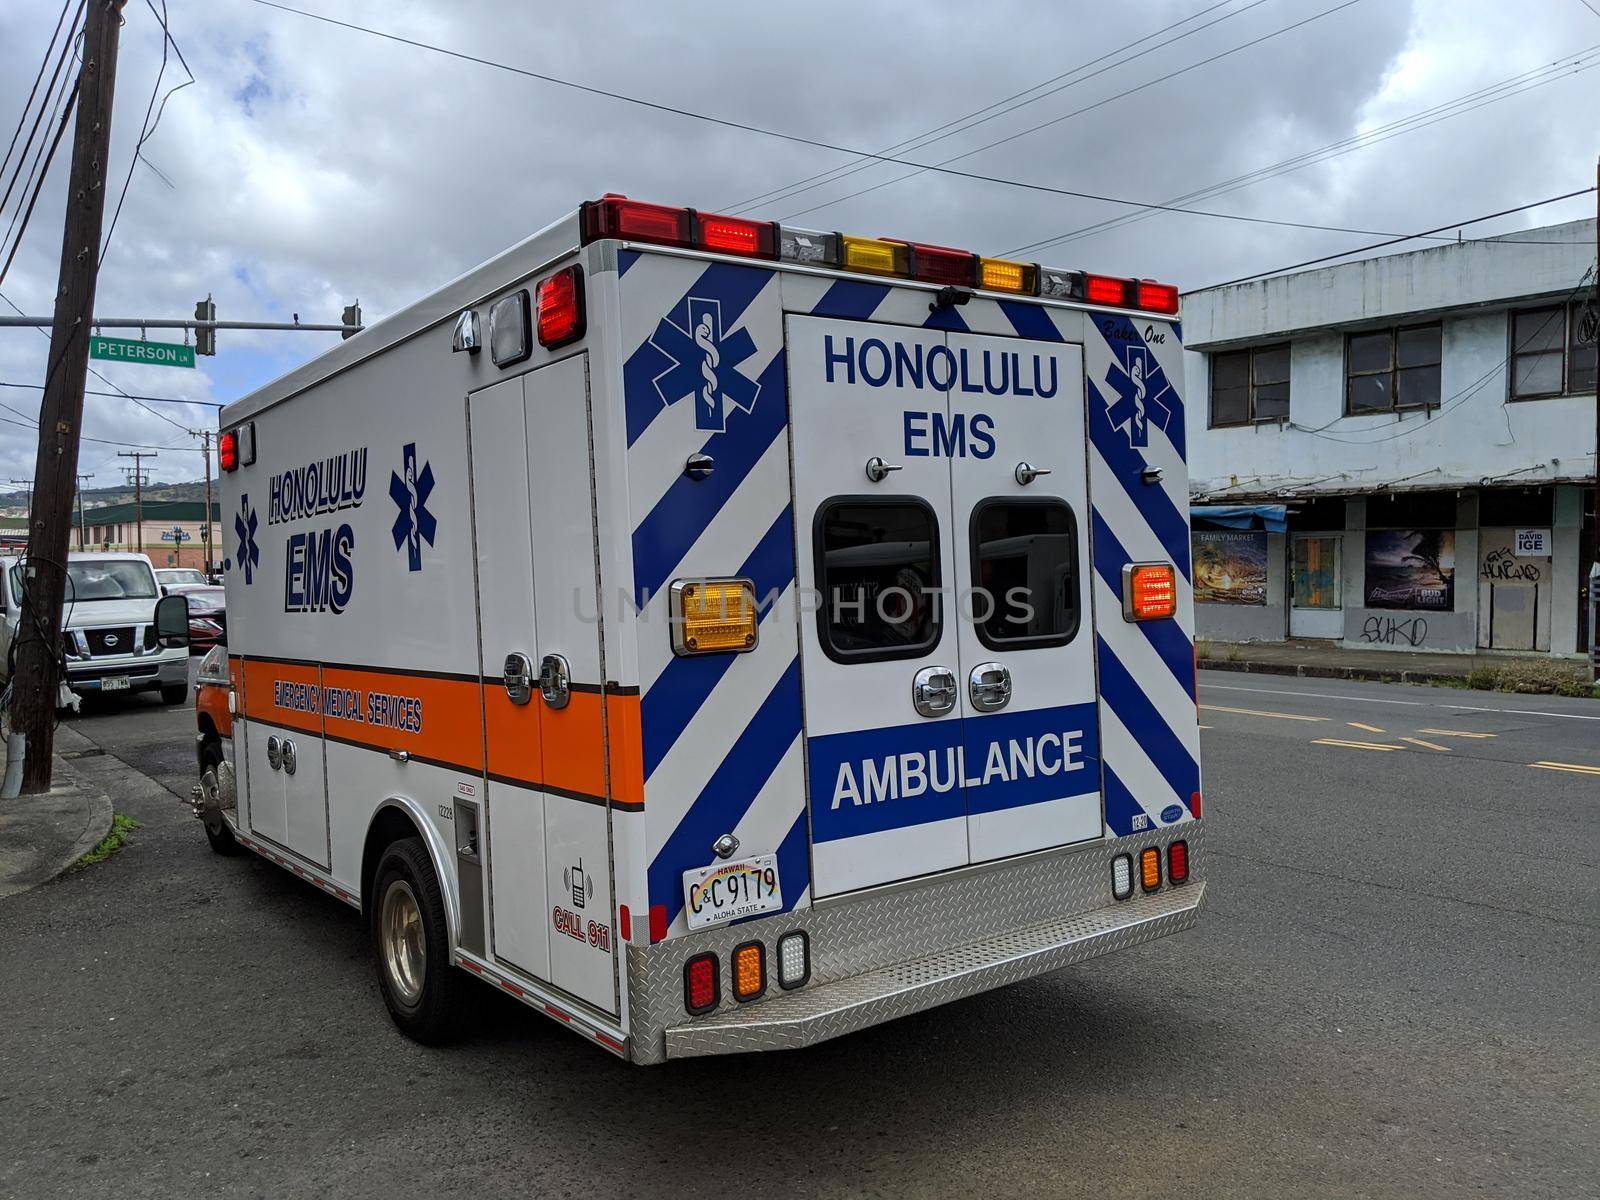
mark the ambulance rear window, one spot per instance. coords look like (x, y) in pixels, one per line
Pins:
(878, 571)
(1025, 568)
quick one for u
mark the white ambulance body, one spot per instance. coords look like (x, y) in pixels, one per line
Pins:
(723, 638)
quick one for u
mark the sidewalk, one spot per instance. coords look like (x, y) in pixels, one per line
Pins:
(1328, 660)
(42, 836)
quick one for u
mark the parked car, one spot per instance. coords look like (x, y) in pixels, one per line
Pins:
(119, 634)
(208, 616)
(180, 579)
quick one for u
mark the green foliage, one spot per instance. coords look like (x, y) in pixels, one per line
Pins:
(121, 826)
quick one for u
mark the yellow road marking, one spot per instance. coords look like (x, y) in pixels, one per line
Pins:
(1357, 745)
(1458, 733)
(1429, 745)
(1368, 728)
(1575, 768)
(1256, 712)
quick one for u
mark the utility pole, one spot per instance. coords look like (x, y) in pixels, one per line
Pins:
(208, 527)
(1593, 320)
(137, 477)
(38, 670)
(83, 539)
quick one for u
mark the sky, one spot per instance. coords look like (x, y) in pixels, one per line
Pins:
(310, 166)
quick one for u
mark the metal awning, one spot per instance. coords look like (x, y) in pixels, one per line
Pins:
(1272, 517)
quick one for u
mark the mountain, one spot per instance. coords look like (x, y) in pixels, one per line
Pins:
(16, 502)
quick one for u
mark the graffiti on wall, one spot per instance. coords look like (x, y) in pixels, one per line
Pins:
(1502, 566)
(1395, 631)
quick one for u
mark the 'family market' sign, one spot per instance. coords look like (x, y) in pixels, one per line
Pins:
(153, 354)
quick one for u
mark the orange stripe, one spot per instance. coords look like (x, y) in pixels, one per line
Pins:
(532, 744)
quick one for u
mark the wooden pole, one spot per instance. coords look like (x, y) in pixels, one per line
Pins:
(39, 662)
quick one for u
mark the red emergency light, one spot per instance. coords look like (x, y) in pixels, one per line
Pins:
(228, 451)
(614, 216)
(560, 303)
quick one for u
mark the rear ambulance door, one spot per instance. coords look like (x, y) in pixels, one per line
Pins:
(942, 509)
(1020, 498)
(880, 655)
(548, 828)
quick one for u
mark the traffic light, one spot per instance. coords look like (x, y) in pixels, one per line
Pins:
(205, 340)
(352, 319)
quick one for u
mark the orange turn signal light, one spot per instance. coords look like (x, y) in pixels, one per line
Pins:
(1149, 591)
(749, 971)
(1150, 868)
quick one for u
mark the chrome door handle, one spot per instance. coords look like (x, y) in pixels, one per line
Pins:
(518, 677)
(555, 681)
(989, 687)
(933, 691)
(878, 470)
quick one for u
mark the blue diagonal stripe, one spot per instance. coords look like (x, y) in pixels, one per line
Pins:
(1121, 807)
(679, 691)
(733, 287)
(681, 516)
(1169, 525)
(946, 318)
(1168, 637)
(1030, 321)
(1144, 721)
(851, 299)
(794, 867)
(730, 791)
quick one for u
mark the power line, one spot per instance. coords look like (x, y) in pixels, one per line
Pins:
(44, 106)
(81, 437)
(938, 168)
(49, 157)
(1309, 262)
(938, 133)
(27, 105)
(34, 387)
(1469, 102)
(943, 163)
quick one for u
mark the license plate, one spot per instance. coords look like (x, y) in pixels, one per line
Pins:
(730, 890)
(114, 683)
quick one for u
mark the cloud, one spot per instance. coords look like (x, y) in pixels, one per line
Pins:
(311, 165)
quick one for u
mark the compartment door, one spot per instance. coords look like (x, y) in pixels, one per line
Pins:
(1020, 497)
(879, 655)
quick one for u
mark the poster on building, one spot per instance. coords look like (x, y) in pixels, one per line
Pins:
(1411, 569)
(1230, 567)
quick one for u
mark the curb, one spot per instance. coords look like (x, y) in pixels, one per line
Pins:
(96, 825)
(1318, 671)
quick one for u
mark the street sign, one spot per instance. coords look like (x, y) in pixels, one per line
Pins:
(154, 354)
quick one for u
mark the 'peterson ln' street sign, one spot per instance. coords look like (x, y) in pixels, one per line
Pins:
(154, 354)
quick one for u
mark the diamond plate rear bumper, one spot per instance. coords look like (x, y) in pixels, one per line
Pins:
(814, 1015)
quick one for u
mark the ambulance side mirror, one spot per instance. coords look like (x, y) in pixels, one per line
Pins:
(172, 621)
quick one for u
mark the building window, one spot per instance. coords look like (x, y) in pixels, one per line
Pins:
(1250, 385)
(1392, 369)
(1550, 354)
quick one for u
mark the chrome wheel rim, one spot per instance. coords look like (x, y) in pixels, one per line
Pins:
(405, 947)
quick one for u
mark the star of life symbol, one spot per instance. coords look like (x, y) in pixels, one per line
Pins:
(244, 525)
(410, 493)
(705, 365)
(1134, 407)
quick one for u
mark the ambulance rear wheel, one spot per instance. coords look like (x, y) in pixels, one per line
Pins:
(421, 988)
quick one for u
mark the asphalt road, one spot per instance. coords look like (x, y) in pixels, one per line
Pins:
(1392, 994)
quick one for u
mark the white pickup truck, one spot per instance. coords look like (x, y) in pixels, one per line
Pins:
(110, 626)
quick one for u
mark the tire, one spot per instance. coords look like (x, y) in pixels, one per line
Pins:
(422, 990)
(175, 693)
(221, 838)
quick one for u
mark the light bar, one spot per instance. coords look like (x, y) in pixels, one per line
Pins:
(616, 216)
(873, 256)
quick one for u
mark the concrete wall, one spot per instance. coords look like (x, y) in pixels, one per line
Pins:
(1476, 434)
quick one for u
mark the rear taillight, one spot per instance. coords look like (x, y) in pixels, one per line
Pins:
(1194, 805)
(749, 971)
(1149, 591)
(560, 303)
(701, 987)
(794, 959)
(1150, 868)
(1122, 877)
(1178, 862)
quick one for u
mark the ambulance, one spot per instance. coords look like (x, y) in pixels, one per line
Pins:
(721, 636)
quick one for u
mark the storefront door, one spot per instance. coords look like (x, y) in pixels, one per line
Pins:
(1315, 609)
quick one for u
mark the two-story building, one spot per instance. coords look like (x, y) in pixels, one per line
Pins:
(1399, 452)
(174, 533)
